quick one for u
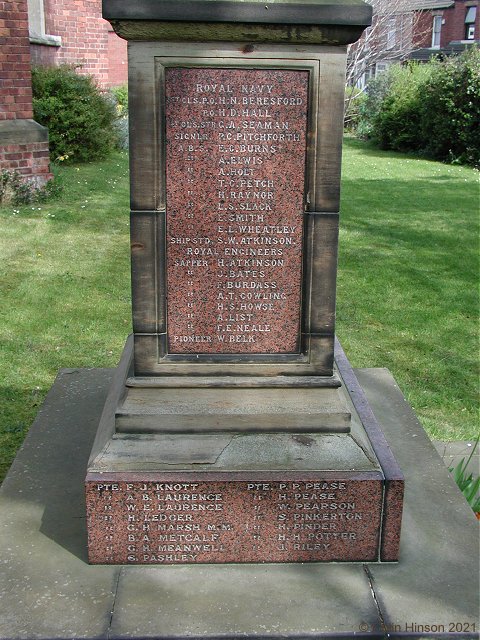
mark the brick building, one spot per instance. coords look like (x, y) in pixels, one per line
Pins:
(23, 142)
(48, 32)
(74, 32)
(445, 27)
(415, 30)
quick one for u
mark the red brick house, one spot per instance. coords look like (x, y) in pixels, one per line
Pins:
(48, 32)
(445, 27)
(413, 29)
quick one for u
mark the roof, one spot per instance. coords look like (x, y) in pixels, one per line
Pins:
(454, 47)
(428, 5)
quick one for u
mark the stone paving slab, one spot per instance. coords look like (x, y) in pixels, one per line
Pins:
(429, 588)
(452, 453)
(47, 590)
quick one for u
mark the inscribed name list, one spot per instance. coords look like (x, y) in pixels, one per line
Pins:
(235, 175)
(193, 521)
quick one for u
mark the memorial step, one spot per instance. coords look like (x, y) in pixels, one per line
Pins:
(196, 410)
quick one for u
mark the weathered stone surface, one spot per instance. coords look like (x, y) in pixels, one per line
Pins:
(235, 159)
(293, 21)
(234, 452)
(171, 410)
(22, 131)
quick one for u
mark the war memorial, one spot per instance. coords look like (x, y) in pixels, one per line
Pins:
(234, 476)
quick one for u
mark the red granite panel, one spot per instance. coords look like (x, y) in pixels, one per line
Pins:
(187, 518)
(235, 158)
(392, 520)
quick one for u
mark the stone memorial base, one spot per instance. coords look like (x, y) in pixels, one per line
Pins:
(49, 591)
(295, 472)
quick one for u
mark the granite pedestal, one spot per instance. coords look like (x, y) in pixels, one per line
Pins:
(48, 589)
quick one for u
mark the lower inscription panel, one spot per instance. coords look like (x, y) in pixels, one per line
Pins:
(218, 518)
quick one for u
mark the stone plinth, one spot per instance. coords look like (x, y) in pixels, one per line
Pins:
(218, 495)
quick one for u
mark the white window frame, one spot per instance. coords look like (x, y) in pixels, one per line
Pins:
(436, 31)
(470, 17)
(36, 25)
(381, 67)
(391, 33)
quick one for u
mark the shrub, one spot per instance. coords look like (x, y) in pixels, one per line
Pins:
(354, 99)
(450, 110)
(433, 109)
(120, 97)
(371, 106)
(79, 118)
(396, 122)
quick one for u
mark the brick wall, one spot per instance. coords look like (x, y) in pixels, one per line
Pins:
(30, 160)
(15, 77)
(23, 143)
(454, 27)
(117, 59)
(87, 40)
(423, 30)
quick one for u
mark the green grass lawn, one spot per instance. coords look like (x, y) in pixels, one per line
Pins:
(65, 289)
(407, 289)
(408, 281)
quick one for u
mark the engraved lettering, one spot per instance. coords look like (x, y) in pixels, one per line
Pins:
(229, 134)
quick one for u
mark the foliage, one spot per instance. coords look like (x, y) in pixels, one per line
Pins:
(397, 120)
(371, 106)
(354, 101)
(450, 109)
(432, 109)
(468, 485)
(120, 97)
(18, 190)
(79, 118)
